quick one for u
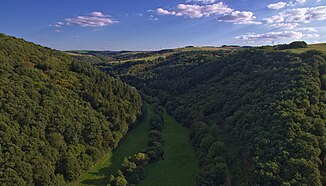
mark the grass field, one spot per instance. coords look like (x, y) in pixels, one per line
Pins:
(321, 47)
(179, 166)
(133, 142)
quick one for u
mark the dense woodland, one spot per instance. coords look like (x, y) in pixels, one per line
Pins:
(257, 116)
(58, 115)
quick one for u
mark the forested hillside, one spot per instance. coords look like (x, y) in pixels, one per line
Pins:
(58, 115)
(257, 117)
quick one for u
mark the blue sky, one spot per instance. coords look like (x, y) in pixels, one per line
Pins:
(159, 24)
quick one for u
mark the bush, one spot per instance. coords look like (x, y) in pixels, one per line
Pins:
(155, 135)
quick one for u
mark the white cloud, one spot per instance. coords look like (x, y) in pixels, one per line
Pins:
(300, 1)
(285, 26)
(197, 11)
(94, 19)
(202, 1)
(161, 11)
(299, 15)
(296, 2)
(238, 17)
(59, 24)
(311, 35)
(293, 26)
(277, 6)
(270, 36)
(97, 14)
(153, 18)
(307, 29)
(275, 19)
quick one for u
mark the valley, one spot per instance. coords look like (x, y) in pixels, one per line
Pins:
(191, 116)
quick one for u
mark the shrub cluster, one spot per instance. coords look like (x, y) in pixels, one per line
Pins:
(132, 168)
(154, 148)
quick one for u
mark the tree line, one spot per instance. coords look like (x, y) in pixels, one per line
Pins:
(132, 168)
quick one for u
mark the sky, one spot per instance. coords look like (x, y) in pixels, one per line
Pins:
(161, 24)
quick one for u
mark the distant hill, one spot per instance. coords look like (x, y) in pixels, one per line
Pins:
(319, 47)
(132, 56)
(58, 115)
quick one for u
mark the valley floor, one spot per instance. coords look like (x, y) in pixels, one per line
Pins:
(133, 142)
(178, 168)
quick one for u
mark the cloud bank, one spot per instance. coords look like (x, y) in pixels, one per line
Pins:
(270, 36)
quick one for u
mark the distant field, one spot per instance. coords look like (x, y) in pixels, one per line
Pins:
(79, 54)
(149, 58)
(115, 56)
(203, 49)
(321, 47)
(179, 166)
(133, 142)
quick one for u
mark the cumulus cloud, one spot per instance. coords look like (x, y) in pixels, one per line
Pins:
(94, 19)
(277, 6)
(217, 9)
(238, 17)
(299, 15)
(196, 11)
(270, 36)
(161, 11)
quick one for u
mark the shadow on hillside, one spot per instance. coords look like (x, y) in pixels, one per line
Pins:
(100, 181)
(105, 172)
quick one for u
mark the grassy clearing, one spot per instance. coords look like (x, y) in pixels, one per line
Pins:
(149, 58)
(134, 142)
(321, 47)
(187, 49)
(180, 165)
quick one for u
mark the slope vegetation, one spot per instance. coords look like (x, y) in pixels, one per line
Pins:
(135, 141)
(257, 117)
(58, 116)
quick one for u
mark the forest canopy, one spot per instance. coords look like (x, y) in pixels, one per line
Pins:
(257, 116)
(58, 115)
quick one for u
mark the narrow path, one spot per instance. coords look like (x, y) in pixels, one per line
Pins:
(133, 142)
(180, 165)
